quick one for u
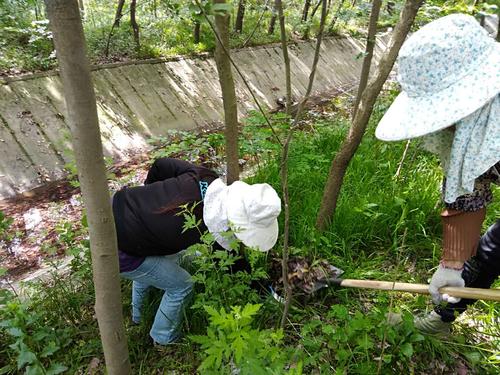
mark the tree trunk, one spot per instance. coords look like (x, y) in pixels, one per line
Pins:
(37, 11)
(116, 23)
(360, 121)
(223, 63)
(196, 33)
(316, 9)
(370, 44)
(305, 11)
(286, 58)
(284, 156)
(284, 164)
(238, 25)
(335, 17)
(133, 23)
(69, 41)
(272, 23)
(257, 25)
(119, 13)
(308, 25)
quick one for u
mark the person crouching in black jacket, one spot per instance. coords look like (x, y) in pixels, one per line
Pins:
(151, 238)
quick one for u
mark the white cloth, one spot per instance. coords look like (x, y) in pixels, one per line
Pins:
(249, 211)
(469, 151)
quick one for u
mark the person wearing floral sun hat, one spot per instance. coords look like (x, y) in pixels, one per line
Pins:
(449, 72)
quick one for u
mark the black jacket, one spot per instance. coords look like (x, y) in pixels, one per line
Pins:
(146, 216)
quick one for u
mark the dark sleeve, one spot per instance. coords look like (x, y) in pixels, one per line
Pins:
(165, 168)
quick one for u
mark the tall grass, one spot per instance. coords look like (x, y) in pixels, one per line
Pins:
(385, 227)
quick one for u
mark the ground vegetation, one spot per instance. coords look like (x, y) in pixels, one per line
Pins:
(391, 232)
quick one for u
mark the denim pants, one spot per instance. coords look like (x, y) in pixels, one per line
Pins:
(164, 273)
(479, 272)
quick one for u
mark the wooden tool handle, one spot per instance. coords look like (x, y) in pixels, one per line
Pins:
(470, 293)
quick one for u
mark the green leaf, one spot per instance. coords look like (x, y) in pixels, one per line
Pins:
(238, 346)
(50, 349)
(34, 370)
(407, 349)
(56, 368)
(25, 357)
(473, 357)
(16, 332)
(202, 340)
(211, 311)
(40, 335)
(416, 337)
(342, 355)
(249, 310)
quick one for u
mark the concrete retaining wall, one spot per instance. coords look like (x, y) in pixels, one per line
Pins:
(138, 100)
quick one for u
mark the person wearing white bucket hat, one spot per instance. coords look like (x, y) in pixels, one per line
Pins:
(250, 211)
(151, 235)
(449, 72)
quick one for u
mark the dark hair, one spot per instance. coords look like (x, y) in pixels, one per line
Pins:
(202, 174)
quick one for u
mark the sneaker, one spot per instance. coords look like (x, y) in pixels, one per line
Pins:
(431, 324)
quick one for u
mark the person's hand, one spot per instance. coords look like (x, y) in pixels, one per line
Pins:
(445, 277)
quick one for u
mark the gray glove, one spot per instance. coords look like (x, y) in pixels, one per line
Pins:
(445, 277)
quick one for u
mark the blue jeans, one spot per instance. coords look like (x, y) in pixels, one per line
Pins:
(162, 272)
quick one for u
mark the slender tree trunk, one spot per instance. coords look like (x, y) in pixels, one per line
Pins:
(69, 41)
(81, 6)
(335, 17)
(368, 98)
(116, 23)
(316, 8)
(370, 45)
(284, 163)
(305, 11)
(286, 58)
(196, 33)
(228, 94)
(238, 24)
(257, 25)
(37, 12)
(308, 25)
(284, 158)
(389, 7)
(119, 13)
(133, 23)
(272, 23)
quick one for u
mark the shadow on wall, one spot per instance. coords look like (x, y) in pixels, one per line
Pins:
(138, 100)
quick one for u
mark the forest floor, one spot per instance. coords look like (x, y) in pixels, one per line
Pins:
(43, 219)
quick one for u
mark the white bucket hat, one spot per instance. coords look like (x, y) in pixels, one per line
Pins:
(447, 70)
(251, 211)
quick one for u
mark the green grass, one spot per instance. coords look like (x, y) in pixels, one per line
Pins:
(384, 228)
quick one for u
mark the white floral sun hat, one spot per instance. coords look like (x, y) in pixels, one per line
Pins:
(447, 70)
(250, 211)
